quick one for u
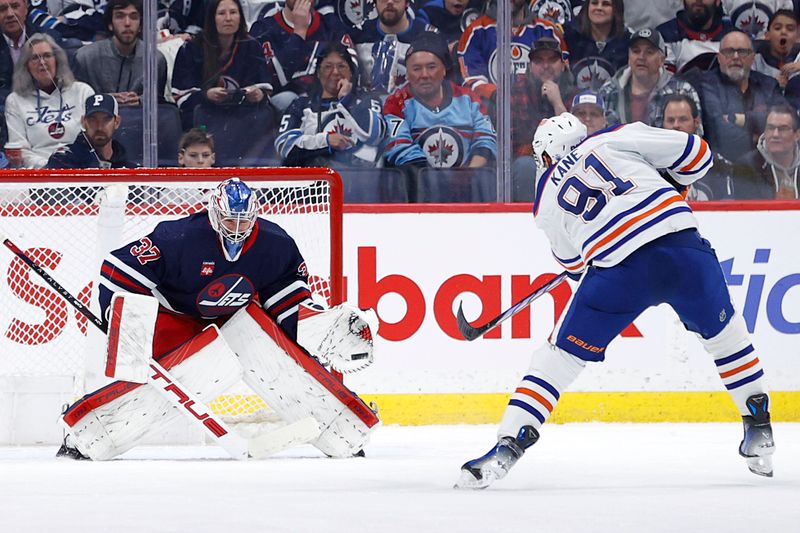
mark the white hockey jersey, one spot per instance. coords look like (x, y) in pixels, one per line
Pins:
(605, 199)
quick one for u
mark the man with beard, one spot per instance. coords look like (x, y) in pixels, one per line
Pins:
(736, 98)
(94, 146)
(693, 36)
(115, 65)
(382, 43)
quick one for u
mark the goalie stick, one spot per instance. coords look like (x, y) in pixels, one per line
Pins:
(470, 332)
(182, 398)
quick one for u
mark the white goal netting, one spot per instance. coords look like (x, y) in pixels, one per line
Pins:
(68, 225)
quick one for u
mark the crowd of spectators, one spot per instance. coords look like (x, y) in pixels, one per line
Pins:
(406, 84)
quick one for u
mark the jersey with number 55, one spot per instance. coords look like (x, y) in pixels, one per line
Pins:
(605, 198)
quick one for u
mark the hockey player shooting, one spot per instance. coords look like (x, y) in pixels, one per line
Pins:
(630, 237)
(214, 298)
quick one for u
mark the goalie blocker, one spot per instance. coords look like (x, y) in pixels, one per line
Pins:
(250, 346)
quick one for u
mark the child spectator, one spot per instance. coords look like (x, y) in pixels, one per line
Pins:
(196, 149)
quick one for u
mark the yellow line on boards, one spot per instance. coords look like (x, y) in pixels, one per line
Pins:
(424, 409)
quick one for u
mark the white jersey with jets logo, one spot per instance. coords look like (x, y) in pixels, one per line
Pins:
(605, 199)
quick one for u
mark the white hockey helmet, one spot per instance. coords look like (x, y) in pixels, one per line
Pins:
(556, 137)
(232, 211)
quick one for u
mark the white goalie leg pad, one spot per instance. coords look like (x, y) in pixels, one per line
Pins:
(340, 336)
(295, 385)
(551, 371)
(131, 328)
(114, 419)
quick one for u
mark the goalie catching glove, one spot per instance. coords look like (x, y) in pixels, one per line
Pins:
(340, 336)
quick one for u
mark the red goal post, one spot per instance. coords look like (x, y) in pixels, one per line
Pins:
(69, 220)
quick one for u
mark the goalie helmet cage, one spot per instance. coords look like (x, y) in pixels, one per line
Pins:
(68, 221)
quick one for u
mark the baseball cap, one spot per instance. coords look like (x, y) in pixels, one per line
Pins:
(588, 97)
(545, 43)
(652, 36)
(101, 103)
(432, 42)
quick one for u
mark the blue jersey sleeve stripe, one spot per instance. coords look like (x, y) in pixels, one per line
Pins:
(700, 169)
(640, 229)
(614, 221)
(688, 150)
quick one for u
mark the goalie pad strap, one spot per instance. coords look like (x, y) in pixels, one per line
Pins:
(117, 389)
(316, 370)
(130, 336)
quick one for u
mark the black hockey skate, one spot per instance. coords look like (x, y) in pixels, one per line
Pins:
(483, 471)
(757, 445)
(70, 452)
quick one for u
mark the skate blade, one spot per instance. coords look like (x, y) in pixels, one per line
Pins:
(468, 481)
(761, 466)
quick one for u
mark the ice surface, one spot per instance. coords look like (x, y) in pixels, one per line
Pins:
(620, 478)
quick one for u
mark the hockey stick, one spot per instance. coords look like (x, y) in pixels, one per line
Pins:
(183, 399)
(471, 333)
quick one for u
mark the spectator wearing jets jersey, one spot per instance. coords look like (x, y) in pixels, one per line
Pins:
(335, 125)
(382, 42)
(291, 41)
(597, 40)
(431, 121)
(44, 111)
(694, 35)
(477, 49)
(753, 16)
(778, 55)
(223, 67)
(736, 98)
(636, 90)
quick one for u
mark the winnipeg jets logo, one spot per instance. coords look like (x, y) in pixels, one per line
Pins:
(592, 72)
(224, 295)
(207, 268)
(443, 147)
(354, 12)
(340, 128)
(558, 11)
(752, 18)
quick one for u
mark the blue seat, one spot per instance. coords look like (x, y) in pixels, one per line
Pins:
(462, 185)
(243, 135)
(374, 185)
(169, 133)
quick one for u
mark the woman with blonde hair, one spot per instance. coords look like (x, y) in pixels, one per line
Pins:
(44, 109)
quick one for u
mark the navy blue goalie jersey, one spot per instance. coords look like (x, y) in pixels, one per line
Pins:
(181, 263)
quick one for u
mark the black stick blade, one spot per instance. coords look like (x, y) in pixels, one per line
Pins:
(467, 331)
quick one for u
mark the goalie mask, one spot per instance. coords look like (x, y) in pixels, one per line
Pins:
(556, 137)
(232, 211)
